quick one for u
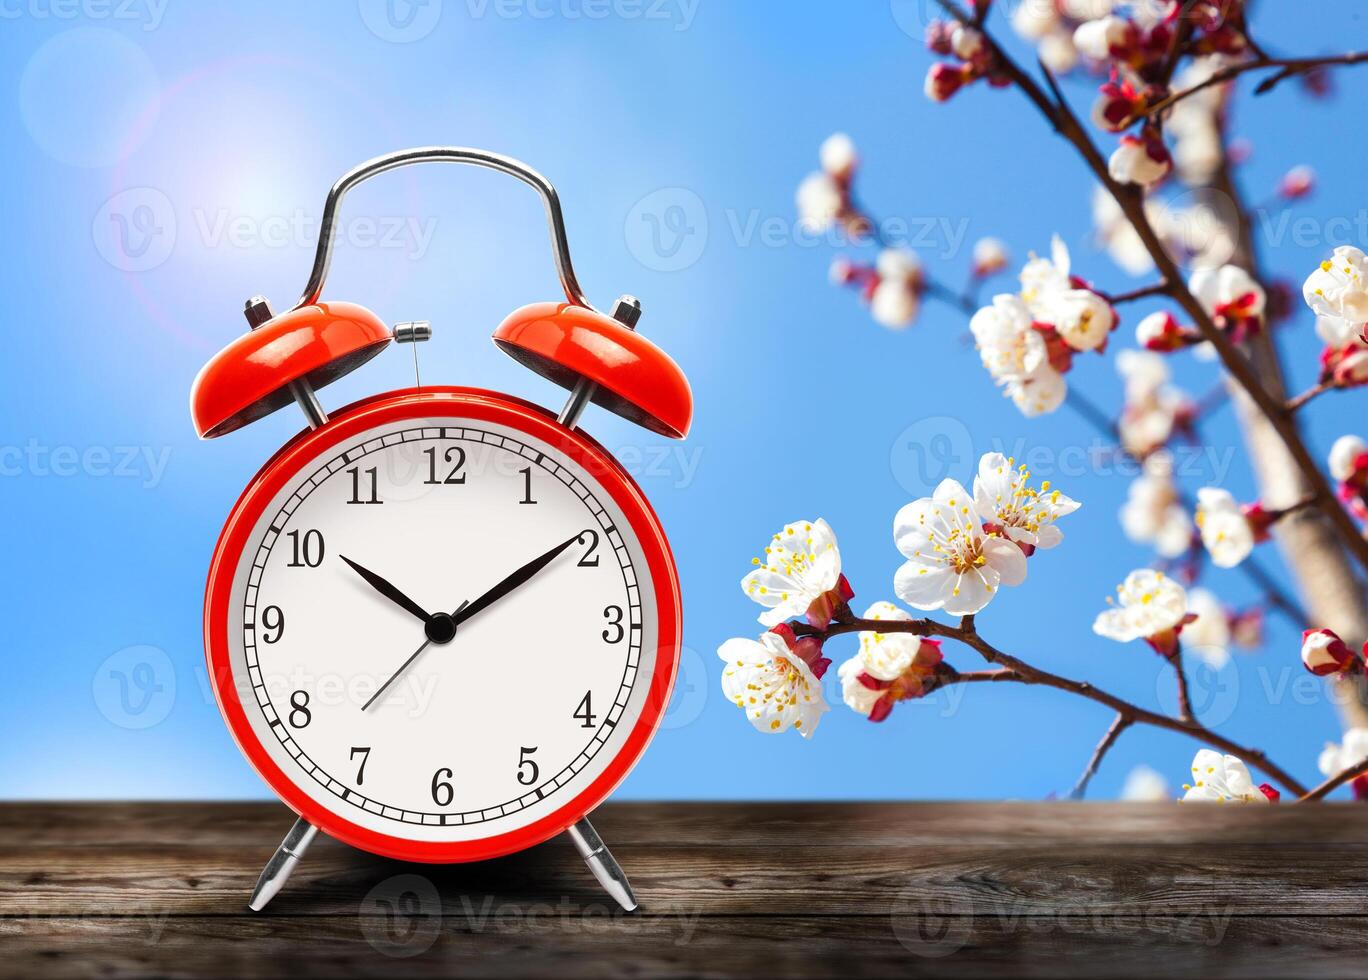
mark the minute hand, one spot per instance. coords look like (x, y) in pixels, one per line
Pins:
(520, 577)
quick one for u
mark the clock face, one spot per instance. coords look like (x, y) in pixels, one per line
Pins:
(443, 629)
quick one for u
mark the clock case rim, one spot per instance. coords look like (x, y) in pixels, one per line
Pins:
(413, 403)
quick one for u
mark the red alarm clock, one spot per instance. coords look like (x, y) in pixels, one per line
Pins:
(442, 623)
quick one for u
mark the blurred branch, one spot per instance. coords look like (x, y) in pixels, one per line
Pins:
(1289, 66)
(1130, 199)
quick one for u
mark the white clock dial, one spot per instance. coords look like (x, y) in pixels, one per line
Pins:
(477, 733)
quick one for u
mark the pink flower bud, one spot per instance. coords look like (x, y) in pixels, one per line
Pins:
(1260, 519)
(1161, 332)
(990, 257)
(1323, 652)
(824, 608)
(1118, 105)
(1272, 794)
(944, 80)
(938, 37)
(1247, 628)
(1297, 183)
(969, 43)
(1348, 365)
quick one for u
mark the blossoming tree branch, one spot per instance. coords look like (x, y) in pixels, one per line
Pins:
(1168, 70)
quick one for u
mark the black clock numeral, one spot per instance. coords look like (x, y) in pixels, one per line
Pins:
(272, 618)
(615, 631)
(527, 768)
(589, 559)
(526, 471)
(307, 549)
(452, 477)
(300, 715)
(374, 496)
(585, 711)
(442, 793)
(364, 751)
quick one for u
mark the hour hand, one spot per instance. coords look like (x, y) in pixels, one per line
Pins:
(386, 589)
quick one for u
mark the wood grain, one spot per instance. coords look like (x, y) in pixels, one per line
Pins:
(727, 890)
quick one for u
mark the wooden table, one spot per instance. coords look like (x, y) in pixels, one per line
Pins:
(726, 889)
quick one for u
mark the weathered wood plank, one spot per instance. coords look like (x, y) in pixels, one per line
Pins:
(711, 825)
(770, 880)
(632, 946)
(729, 889)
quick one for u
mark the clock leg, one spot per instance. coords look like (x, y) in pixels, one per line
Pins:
(600, 860)
(282, 863)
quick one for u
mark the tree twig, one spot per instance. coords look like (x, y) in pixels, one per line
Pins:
(1184, 696)
(1025, 673)
(1315, 390)
(1157, 289)
(1335, 782)
(1118, 725)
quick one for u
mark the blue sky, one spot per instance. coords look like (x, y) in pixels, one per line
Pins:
(207, 137)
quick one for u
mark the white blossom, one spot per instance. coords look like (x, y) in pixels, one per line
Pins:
(1337, 757)
(1218, 778)
(893, 305)
(1038, 393)
(820, 202)
(1152, 406)
(1208, 636)
(1083, 319)
(1145, 785)
(837, 155)
(1045, 281)
(1057, 52)
(1097, 38)
(1013, 508)
(1338, 289)
(1194, 122)
(1006, 343)
(990, 256)
(1149, 604)
(952, 563)
(1228, 291)
(1014, 354)
(967, 42)
(1345, 457)
(775, 688)
(1334, 331)
(1134, 162)
(1226, 533)
(1153, 513)
(886, 655)
(1034, 19)
(801, 563)
(897, 662)
(896, 297)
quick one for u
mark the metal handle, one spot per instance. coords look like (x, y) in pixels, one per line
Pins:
(445, 154)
